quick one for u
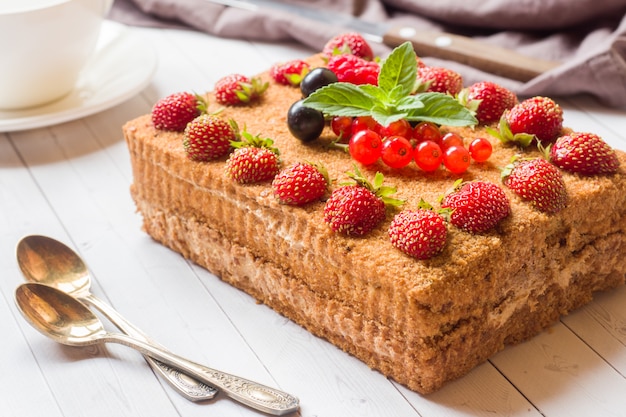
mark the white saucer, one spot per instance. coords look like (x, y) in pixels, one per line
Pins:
(122, 66)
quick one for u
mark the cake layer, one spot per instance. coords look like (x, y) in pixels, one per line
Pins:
(419, 322)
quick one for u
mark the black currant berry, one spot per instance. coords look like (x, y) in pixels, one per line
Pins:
(305, 123)
(316, 78)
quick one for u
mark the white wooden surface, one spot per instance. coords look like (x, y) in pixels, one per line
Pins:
(71, 182)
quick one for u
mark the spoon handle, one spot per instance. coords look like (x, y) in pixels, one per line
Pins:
(187, 386)
(250, 393)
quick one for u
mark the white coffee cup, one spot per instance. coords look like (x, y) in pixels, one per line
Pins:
(44, 45)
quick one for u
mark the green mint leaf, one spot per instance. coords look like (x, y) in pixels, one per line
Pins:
(375, 92)
(410, 103)
(395, 95)
(342, 99)
(386, 116)
(399, 70)
(441, 109)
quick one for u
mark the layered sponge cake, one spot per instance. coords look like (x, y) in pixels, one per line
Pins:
(421, 322)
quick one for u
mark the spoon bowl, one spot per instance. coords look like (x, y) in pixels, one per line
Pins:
(48, 261)
(58, 315)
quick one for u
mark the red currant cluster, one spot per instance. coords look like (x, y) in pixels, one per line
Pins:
(399, 143)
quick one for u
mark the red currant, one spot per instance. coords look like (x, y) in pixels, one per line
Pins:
(451, 139)
(396, 152)
(427, 131)
(365, 146)
(428, 155)
(342, 127)
(400, 127)
(456, 159)
(480, 149)
(364, 123)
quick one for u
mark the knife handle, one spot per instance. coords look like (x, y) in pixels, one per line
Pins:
(489, 58)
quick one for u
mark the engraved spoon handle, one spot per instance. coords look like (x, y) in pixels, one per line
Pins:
(250, 393)
(187, 386)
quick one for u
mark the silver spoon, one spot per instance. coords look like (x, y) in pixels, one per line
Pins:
(48, 261)
(66, 320)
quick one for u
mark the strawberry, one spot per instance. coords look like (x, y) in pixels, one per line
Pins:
(538, 116)
(254, 159)
(353, 210)
(584, 153)
(251, 164)
(300, 183)
(176, 110)
(356, 209)
(289, 73)
(348, 43)
(537, 181)
(207, 137)
(419, 233)
(488, 99)
(439, 80)
(476, 206)
(235, 89)
(355, 70)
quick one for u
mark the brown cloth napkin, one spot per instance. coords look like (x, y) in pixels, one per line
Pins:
(587, 36)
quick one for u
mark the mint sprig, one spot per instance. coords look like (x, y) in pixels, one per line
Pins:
(392, 99)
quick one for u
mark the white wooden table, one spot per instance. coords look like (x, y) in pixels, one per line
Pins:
(71, 182)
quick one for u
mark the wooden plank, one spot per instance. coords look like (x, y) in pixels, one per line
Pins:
(484, 392)
(562, 376)
(18, 195)
(602, 325)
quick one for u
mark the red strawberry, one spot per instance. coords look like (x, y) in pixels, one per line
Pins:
(584, 153)
(537, 181)
(477, 206)
(290, 73)
(300, 183)
(254, 159)
(250, 164)
(419, 233)
(355, 70)
(237, 89)
(355, 210)
(176, 110)
(349, 43)
(439, 80)
(538, 116)
(489, 100)
(207, 137)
